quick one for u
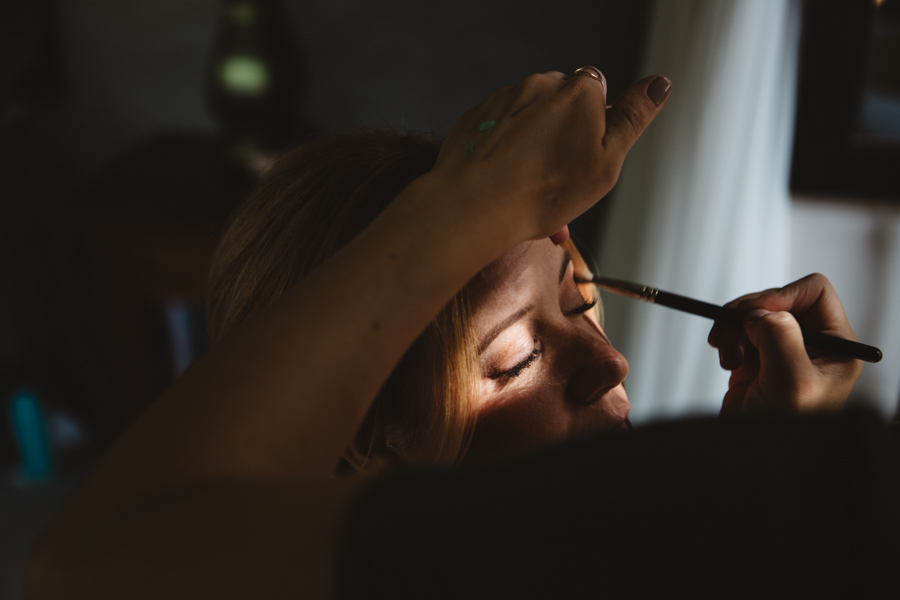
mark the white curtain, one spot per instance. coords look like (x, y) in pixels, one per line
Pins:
(702, 208)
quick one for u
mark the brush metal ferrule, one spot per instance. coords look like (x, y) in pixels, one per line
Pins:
(648, 294)
(626, 288)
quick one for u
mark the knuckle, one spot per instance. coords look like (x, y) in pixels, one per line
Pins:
(816, 281)
(778, 319)
(532, 82)
(818, 277)
(582, 88)
(778, 322)
(632, 117)
(822, 281)
(580, 83)
(506, 90)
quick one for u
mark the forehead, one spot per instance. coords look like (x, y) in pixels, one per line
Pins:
(525, 268)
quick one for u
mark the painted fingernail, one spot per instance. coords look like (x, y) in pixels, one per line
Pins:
(659, 89)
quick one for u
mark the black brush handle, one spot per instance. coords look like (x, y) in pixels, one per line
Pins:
(815, 339)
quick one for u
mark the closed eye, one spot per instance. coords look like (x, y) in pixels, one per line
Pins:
(588, 305)
(517, 370)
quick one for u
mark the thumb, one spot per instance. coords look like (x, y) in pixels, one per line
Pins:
(633, 111)
(783, 360)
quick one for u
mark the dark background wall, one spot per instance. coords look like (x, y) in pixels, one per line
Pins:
(131, 67)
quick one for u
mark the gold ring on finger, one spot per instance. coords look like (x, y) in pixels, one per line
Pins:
(590, 71)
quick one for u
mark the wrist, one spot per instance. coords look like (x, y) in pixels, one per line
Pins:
(466, 215)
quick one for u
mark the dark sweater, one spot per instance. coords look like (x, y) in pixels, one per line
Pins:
(788, 507)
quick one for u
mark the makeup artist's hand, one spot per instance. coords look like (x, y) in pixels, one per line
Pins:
(532, 157)
(770, 367)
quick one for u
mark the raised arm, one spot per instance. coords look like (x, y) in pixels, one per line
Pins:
(222, 488)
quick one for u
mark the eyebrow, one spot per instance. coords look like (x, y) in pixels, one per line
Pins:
(566, 259)
(503, 326)
(508, 321)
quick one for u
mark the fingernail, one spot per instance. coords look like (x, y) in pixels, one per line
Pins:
(659, 89)
(755, 315)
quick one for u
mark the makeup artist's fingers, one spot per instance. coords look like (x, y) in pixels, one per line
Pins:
(813, 302)
(732, 402)
(771, 368)
(731, 356)
(534, 156)
(777, 337)
(725, 333)
(601, 83)
(742, 383)
(787, 379)
(746, 297)
(631, 113)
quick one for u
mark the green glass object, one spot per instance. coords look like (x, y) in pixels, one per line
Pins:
(244, 74)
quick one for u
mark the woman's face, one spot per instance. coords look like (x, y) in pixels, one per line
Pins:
(548, 372)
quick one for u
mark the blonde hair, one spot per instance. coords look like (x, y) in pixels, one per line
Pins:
(307, 206)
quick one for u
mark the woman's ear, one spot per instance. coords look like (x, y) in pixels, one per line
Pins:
(354, 457)
(370, 460)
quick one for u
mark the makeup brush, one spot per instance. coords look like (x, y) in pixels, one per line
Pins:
(812, 338)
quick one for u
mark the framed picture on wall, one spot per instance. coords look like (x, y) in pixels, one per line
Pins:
(847, 136)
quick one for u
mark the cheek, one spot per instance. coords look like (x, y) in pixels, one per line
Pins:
(519, 423)
(530, 421)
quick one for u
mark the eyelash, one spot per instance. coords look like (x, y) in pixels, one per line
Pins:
(538, 350)
(586, 306)
(516, 370)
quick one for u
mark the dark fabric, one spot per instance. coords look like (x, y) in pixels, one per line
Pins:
(794, 507)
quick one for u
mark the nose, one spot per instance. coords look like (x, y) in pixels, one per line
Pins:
(595, 367)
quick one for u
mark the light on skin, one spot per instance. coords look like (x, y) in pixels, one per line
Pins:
(548, 371)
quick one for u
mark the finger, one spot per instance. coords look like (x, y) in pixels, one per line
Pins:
(740, 382)
(813, 302)
(782, 356)
(731, 357)
(731, 403)
(559, 238)
(633, 111)
(801, 294)
(747, 297)
(597, 75)
(725, 333)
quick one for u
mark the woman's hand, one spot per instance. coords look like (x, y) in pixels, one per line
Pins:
(770, 367)
(533, 157)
